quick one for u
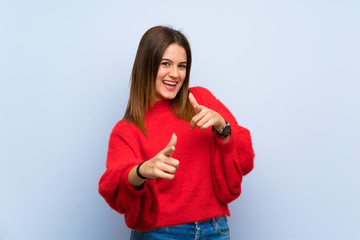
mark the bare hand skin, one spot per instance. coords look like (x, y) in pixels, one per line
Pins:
(160, 166)
(206, 117)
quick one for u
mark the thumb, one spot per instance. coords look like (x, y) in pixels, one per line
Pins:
(193, 102)
(170, 148)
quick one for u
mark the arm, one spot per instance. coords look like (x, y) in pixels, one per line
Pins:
(231, 158)
(121, 186)
(230, 162)
(140, 206)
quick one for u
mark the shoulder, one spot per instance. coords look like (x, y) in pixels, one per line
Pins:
(124, 127)
(124, 132)
(202, 94)
(200, 91)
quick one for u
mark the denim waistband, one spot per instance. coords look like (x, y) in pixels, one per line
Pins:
(210, 220)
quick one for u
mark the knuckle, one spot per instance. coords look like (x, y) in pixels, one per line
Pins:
(157, 173)
(174, 169)
(157, 164)
(164, 175)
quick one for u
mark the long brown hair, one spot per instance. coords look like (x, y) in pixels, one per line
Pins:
(143, 77)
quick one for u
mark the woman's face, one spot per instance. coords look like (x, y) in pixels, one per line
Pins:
(171, 73)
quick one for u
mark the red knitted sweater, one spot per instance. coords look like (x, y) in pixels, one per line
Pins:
(208, 178)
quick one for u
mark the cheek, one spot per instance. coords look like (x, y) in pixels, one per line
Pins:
(160, 75)
(182, 76)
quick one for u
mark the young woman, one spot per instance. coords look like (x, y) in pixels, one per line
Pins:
(178, 156)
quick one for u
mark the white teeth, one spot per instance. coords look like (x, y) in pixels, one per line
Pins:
(170, 83)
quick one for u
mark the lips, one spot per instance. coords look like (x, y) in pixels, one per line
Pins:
(169, 85)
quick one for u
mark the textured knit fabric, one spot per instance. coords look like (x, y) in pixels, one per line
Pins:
(208, 178)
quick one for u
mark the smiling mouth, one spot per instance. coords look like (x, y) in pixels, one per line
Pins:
(169, 83)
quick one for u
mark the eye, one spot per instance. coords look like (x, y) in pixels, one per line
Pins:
(167, 64)
(182, 66)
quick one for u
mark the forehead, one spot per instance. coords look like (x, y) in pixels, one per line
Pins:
(175, 52)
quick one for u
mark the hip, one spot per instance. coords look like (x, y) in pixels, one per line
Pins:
(214, 228)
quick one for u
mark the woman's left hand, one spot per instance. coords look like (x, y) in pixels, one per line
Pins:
(205, 117)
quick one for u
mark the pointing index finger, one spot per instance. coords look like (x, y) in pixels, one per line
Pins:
(193, 101)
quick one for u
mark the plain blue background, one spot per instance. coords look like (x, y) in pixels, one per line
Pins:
(288, 70)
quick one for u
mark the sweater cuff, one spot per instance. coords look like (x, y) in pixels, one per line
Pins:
(226, 146)
(130, 190)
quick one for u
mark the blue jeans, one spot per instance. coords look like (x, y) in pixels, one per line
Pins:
(211, 229)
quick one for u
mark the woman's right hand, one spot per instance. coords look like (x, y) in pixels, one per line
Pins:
(162, 165)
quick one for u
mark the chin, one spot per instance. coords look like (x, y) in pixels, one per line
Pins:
(167, 96)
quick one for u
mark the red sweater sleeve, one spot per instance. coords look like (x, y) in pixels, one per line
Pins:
(229, 161)
(140, 206)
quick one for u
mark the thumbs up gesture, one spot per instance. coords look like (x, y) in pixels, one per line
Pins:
(205, 117)
(162, 165)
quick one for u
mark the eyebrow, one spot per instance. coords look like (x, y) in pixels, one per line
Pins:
(166, 59)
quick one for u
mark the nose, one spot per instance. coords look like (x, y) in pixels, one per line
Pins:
(174, 72)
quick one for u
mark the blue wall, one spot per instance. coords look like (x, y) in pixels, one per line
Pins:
(288, 70)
